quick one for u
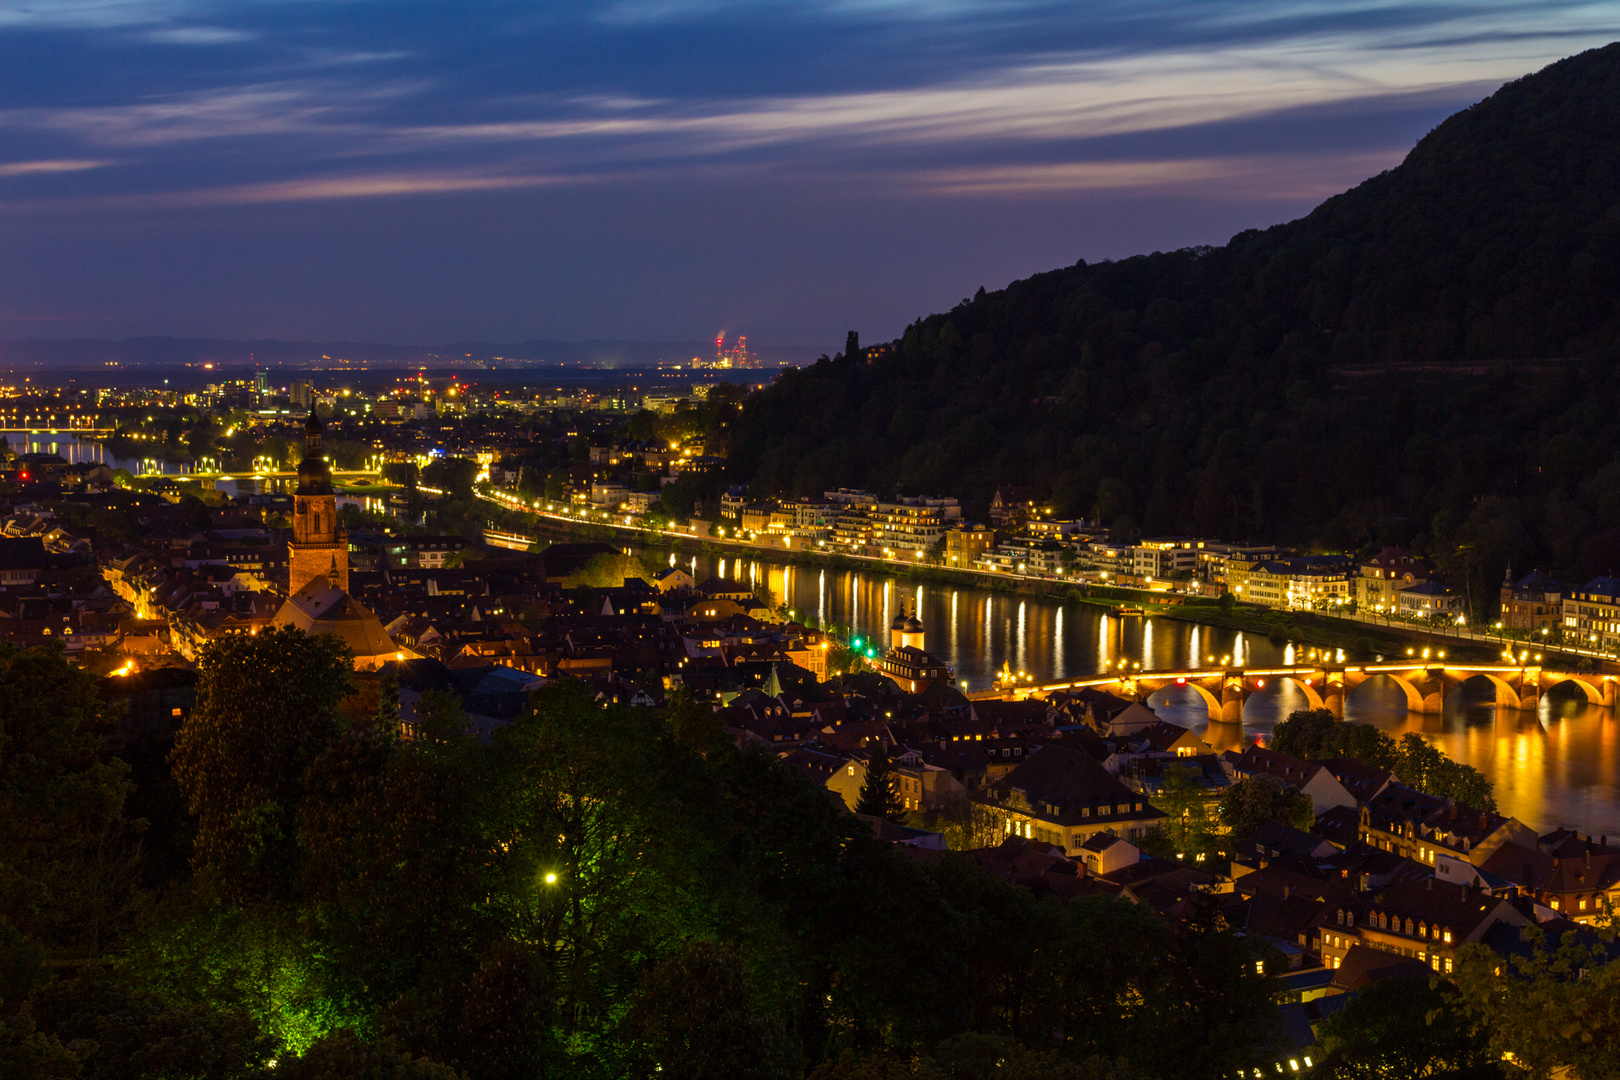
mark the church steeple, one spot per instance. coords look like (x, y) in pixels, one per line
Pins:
(319, 548)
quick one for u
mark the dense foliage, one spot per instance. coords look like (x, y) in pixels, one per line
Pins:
(595, 892)
(1315, 735)
(1426, 359)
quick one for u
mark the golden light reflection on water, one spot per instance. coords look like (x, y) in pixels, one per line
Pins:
(1557, 765)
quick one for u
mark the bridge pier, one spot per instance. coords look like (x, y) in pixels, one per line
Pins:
(1232, 698)
(1431, 692)
(1333, 699)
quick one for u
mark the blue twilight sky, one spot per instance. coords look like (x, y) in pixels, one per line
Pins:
(418, 171)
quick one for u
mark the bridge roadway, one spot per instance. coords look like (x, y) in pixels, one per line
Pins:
(249, 475)
(1325, 686)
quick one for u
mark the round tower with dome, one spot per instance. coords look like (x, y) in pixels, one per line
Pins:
(908, 662)
(906, 631)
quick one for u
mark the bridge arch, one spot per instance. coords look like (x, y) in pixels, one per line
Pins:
(1588, 687)
(1506, 696)
(1259, 684)
(1212, 701)
(1414, 698)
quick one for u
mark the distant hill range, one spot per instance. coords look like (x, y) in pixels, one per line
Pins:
(1428, 358)
(154, 351)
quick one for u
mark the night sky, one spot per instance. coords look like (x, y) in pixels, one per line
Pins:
(665, 169)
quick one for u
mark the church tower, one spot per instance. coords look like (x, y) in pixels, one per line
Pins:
(319, 548)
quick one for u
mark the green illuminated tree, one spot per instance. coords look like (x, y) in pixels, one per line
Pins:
(576, 819)
(267, 706)
(341, 1055)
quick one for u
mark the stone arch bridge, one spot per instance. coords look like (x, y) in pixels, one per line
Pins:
(1426, 685)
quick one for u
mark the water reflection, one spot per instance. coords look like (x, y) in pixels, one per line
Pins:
(86, 451)
(1558, 765)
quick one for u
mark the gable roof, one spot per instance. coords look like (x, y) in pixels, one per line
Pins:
(1060, 783)
(1363, 966)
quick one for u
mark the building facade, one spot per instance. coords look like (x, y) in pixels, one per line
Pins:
(1380, 579)
(1303, 583)
(1533, 603)
(1592, 614)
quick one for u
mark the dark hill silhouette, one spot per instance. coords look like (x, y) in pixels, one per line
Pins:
(1428, 358)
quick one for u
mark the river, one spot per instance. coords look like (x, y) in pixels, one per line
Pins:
(1559, 765)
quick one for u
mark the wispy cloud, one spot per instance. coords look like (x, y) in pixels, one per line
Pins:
(198, 35)
(95, 14)
(1237, 177)
(35, 168)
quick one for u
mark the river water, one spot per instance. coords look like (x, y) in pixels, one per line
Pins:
(76, 451)
(1558, 765)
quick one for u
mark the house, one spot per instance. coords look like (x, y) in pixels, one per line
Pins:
(1104, 853)
(675, 580)
(1361, 780)
(1275, 842)
(1380, 579)
(1313, 779)
(1426, 920)
(1300, 583)
(1423, 827)
(1012, 505)
(1592, 614)
(1430, 600)
(922, 786)
(1134, 719)
(1063, 796)
(1533, 603)
(1574, 876)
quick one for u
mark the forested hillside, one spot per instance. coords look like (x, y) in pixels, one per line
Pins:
(1427, 359)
